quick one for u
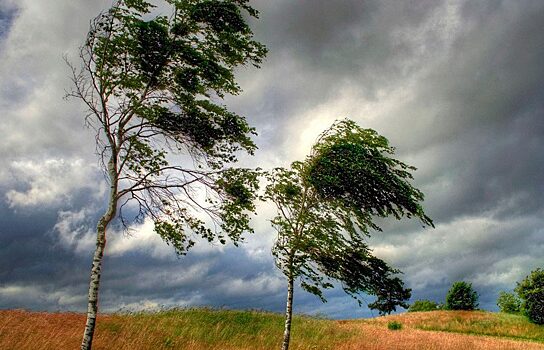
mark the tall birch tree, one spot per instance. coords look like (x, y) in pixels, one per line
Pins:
(326, 208)
(153, 85)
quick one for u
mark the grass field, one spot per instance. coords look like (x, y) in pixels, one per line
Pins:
(203, 329)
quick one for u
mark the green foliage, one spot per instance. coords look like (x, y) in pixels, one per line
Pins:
(351, 168)
(326, 206)
(461, 296)
(394, 325)
(153, 86)
(508, 303)
(182, 61)
(531, 291)
(423, 305)
(389, 291)
(239, 187)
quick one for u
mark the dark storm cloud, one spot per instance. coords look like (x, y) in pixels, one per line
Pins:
(457, 87)
(318, 49)
(472, 123)
(38, 272)
(318, 46)
(34, 272)
(493, 73)
(7, 15)
(229, 278)
(354, 39)
(485, 105)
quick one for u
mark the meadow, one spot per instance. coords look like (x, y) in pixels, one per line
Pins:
(207, 329)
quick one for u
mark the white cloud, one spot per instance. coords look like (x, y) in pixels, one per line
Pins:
(35, 119)
(75, 231)
(63, 297)
(485, 250)
(14, 290)
(51, 182)
(176, 275)
(139, 238)
(156, 304)
(262, 284)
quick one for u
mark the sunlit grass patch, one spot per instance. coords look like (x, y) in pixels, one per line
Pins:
(471, 322)
(231, 328)
(493, 324)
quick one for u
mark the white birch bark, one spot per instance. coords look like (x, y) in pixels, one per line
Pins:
(92, 306)
(288, 313)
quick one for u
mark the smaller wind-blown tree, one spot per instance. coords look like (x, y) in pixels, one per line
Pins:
(153, 86)
(326, 207)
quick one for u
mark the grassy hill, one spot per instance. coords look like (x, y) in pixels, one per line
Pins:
(203, 329)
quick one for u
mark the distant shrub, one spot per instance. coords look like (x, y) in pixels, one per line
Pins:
(423, 305)
(531, 291)
(461, 296)
(394, 325)
(509, 303)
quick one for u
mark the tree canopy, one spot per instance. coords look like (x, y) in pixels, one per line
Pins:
(327, 205)
(461, 296)
(153, 87)
(350, 168)
(508, 303)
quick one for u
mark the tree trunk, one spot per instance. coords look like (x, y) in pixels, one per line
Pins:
(288, 313)
(92, 306)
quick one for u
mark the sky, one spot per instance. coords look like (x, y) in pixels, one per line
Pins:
(456, 86)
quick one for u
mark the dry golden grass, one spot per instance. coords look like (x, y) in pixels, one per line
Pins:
(202, 329)
(470, 322)
(375, 335)
(194, 329)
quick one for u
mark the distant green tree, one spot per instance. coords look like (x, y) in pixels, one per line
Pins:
(508, 303)
(531, 291)
(326, 208)
(423, 305)
(152, 86)
(461, 296)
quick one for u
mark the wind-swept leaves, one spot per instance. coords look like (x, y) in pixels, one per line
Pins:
(326, 208)
(350, 167)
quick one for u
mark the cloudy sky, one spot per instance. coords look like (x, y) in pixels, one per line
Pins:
(456, 86)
